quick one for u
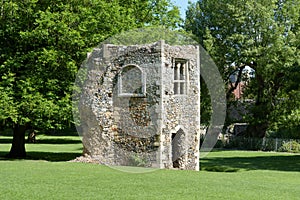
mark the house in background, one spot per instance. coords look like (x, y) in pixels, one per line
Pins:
(247, 74)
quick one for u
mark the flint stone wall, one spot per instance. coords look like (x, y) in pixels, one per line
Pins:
(129, 111)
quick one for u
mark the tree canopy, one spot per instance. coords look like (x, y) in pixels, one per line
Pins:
(263, 35)
(42, 45)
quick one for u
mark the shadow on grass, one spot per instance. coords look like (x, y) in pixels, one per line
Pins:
(234, 164)
(47, 156)
(45, 141)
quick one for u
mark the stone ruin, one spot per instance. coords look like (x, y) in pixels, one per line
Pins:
(140, 105)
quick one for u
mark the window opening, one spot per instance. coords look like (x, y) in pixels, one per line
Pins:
(180, 67)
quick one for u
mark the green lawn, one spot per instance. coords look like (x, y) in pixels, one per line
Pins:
(224, 175)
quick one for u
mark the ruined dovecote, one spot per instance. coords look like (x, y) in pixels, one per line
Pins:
(141, 105)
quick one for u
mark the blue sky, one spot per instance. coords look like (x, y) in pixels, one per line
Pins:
(182, 4)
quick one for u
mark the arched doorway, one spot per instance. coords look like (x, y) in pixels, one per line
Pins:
(177, 148)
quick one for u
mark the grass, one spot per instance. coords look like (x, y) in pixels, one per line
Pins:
(252, 175)
(49, 148)
(232, 161)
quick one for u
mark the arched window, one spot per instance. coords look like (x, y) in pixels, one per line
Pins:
(132, 81)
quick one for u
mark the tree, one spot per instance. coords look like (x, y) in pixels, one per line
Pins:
(42, 45)
(263, 35)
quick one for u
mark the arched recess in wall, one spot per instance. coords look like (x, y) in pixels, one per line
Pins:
(178, 147)
(131, 81)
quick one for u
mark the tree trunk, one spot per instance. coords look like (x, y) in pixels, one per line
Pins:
(257, 130)
(18, 144)
(261, 111)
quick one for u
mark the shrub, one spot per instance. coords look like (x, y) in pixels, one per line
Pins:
(137, 161)
(291, 146)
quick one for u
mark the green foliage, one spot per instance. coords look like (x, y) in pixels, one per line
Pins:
(205, 104)
(43, 43)
(291, 146)
(42, 46)
(137, 160)
(6, 100)
(287, 115)
(150, 35)
(263, 35)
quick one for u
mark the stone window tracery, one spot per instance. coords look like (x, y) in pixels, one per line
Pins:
(180, 67)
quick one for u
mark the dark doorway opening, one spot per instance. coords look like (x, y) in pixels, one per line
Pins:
(177, 147)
